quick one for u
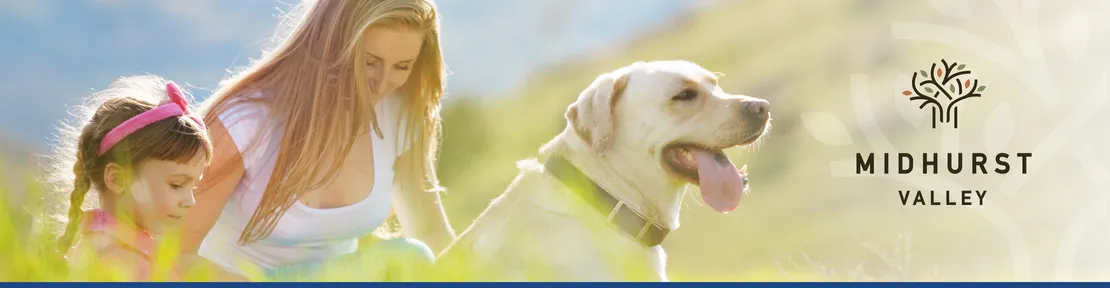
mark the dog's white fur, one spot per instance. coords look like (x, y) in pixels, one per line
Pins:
(538, 230)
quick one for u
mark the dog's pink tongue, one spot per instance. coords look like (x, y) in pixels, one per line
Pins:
(721, 184)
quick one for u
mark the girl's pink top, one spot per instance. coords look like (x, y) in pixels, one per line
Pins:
(107, 238)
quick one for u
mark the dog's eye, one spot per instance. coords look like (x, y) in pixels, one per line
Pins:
(686, 95)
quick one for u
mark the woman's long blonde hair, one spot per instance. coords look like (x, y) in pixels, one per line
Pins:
(315, 87)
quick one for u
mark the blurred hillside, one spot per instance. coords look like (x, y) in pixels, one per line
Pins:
(18, 162)
(800, 220)
(18, 169)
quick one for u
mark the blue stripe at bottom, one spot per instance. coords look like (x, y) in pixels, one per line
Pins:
(581, 284)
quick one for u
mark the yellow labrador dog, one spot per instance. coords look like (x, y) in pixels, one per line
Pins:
(613, 182)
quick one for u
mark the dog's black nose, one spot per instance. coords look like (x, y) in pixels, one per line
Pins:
(757, 108)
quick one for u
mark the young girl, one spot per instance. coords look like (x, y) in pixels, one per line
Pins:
(141, 149)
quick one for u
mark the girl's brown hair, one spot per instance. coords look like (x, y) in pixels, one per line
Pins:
(78, 168)
(316, 87)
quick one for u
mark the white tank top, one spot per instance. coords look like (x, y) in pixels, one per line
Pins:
(303, 234)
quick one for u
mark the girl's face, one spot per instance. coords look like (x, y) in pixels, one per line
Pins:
(390, 57)
(160, 194)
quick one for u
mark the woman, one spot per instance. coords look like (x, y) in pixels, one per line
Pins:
(320, 140)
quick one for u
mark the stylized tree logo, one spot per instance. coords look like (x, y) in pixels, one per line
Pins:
(944, 80)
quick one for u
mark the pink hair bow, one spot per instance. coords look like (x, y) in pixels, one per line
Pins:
(178, 106)
(177, 97)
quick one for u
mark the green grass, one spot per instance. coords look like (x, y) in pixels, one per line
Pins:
(28, 248)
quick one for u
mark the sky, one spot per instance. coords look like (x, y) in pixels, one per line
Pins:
(53, 52)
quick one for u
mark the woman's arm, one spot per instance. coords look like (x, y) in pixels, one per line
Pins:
(422, 217)
(219, 181)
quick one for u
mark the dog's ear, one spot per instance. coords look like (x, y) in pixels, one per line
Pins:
(592, 114)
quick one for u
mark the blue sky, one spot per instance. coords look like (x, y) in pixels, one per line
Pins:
(55, 51)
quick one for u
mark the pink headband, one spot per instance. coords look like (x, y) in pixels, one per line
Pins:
(177, 107)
